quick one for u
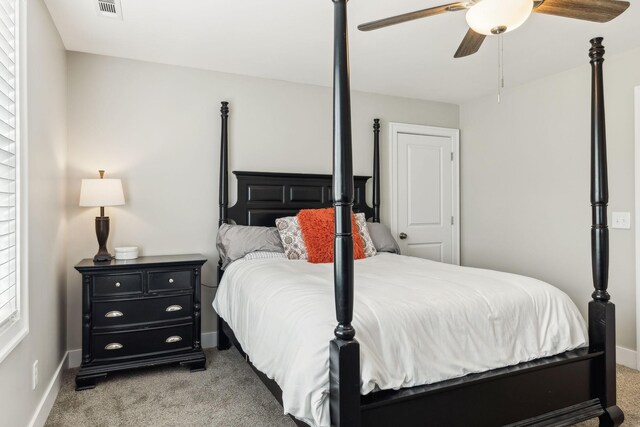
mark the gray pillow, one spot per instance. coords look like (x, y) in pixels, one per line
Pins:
(382, 238)
(236, 241)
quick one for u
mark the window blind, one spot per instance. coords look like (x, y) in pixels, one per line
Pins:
(9, 292)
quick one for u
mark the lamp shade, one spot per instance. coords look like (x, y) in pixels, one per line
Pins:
(497, 16)
(101, 192)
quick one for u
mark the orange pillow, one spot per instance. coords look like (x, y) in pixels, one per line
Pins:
(318, 228)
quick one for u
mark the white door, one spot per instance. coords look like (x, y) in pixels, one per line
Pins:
(425, 193)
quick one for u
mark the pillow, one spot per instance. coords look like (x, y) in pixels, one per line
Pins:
(264, 255)
(236, 241)
(382, 238)
(318, 227)
(367, 243)
(291, 237)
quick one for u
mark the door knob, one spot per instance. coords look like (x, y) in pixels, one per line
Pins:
(403, 236)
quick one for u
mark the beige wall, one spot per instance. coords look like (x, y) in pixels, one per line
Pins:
(46, 161)
(158, 128)
(525, 182)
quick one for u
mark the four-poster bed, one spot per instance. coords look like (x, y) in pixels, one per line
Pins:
(560, 390)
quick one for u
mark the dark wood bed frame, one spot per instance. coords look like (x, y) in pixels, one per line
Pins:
(555, 391)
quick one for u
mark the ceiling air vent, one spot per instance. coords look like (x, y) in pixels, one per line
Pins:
(109, 8)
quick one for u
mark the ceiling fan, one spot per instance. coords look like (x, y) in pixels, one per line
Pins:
(494, 17)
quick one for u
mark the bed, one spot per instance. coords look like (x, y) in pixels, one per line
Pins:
(431, 323)
(557, 382)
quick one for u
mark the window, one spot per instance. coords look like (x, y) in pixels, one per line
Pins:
(13, 324)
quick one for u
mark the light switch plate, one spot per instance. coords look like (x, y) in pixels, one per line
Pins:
(621, 220)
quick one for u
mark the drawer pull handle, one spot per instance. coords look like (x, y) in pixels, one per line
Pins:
(170, 280)
(114, 313)
(173, 308)
(113, 346)
(173, 339)
(117, 284)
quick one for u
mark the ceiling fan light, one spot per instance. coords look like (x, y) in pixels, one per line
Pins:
(497, 16)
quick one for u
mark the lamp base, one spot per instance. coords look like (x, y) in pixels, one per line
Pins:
(102, 232)
(102, 257)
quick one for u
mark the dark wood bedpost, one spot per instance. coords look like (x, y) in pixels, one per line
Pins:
(223, 341)
(602, 327)
(224, 164)
(344, 359)
(376, 170)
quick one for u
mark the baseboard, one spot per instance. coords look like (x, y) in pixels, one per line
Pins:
(209, 340)
(626, 357)
(74, 359)
(46, 403)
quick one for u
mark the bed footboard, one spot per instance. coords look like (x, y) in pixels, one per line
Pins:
(556, 391)
(552, 392)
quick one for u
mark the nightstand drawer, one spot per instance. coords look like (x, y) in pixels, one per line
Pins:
(142, 342)
(129, 312)
(170, 280)
(117, 284)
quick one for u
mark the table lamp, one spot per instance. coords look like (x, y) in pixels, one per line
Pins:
(100, 193)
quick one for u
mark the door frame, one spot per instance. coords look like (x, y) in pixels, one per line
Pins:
(397, 128)
(637, 218)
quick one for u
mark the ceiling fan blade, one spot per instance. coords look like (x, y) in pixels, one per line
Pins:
(586, 10)
(381, 23)
(470, 44)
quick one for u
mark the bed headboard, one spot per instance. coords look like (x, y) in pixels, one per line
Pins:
(265, 196)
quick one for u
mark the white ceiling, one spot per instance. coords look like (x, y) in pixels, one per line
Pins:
(292, 40)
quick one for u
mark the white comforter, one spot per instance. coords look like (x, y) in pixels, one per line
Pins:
(417, 322)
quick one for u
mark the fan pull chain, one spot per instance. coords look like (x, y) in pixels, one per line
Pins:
(500, 65)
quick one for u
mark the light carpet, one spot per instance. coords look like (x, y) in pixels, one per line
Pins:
(227, 394)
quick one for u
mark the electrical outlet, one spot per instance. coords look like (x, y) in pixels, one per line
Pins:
(621, 220)
(34, 376)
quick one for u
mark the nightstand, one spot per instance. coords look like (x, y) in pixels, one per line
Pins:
(137, 313)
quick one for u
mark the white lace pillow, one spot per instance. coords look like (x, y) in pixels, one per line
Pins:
(291, 237)
(264, 255)
(367, 242)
